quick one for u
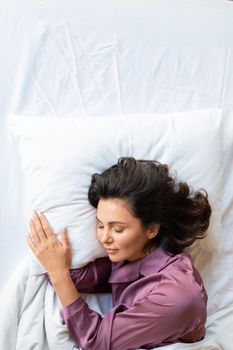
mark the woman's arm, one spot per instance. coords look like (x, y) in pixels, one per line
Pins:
(65, 288)
(93, 277)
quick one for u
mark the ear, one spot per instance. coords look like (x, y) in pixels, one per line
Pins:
(153, 231)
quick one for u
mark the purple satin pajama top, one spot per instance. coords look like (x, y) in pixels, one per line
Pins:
(158, 300)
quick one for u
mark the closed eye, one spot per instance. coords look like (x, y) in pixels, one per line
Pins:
(118, 231)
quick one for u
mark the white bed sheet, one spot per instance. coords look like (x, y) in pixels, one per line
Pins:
(104, 58)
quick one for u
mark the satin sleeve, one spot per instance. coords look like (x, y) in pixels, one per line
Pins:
(93, 277)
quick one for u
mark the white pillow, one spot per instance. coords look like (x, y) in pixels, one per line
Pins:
(59, 155)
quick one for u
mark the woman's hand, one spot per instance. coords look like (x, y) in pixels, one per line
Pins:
(54, 255)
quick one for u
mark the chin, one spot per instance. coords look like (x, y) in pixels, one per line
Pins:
(115, 258)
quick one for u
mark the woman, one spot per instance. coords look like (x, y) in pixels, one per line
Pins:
(145, 220)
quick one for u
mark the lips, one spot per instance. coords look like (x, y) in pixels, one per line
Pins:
(111, 251)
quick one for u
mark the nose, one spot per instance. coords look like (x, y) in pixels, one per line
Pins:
(106, 236)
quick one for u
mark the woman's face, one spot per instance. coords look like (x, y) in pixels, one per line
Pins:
(120, 233)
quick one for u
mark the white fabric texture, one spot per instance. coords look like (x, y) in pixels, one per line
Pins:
(122, 57)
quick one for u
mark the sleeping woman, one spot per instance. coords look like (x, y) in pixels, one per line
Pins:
(145, 220)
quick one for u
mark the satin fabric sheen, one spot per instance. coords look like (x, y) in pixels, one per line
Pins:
(159, 299)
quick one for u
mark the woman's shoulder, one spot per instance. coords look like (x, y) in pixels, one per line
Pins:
(181, 261)
(173, 274)
(180, 268)
(160, 261)
(182, 282)
(180, 297)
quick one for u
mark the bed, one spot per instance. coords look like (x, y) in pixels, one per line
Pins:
(94, 59)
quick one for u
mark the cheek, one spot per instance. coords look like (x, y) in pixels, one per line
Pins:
(131, 240)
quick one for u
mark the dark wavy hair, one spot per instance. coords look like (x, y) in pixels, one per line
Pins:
(155, 197)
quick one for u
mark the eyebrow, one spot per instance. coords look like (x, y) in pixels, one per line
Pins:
(113, 222)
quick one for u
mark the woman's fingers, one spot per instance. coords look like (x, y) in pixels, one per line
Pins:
(33, 234)
(38, 227)
(65, 239)
(46, 226)
(31, 242)
(41, 231)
